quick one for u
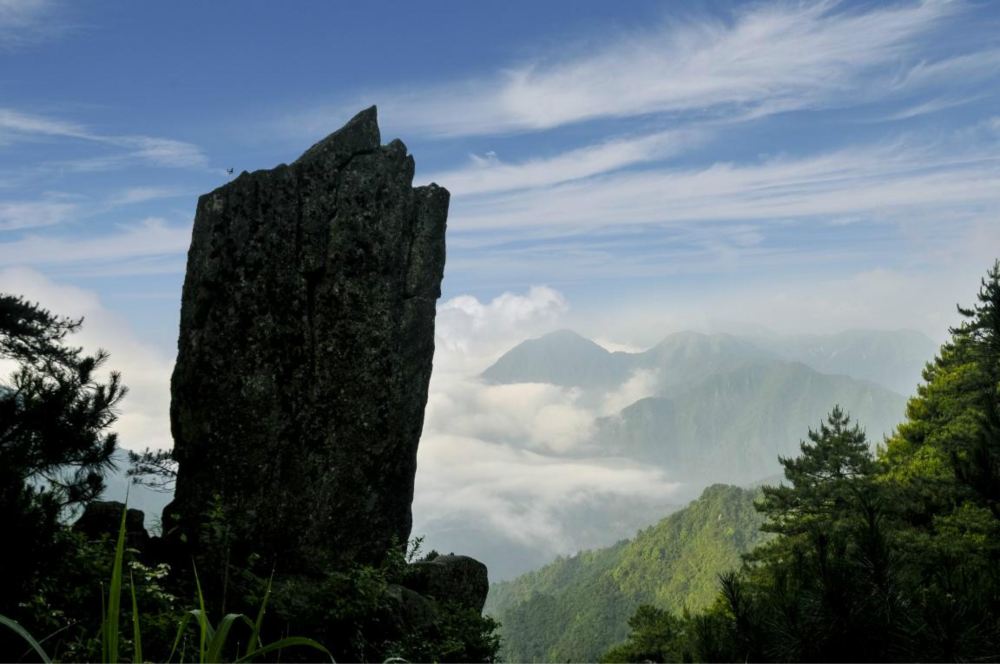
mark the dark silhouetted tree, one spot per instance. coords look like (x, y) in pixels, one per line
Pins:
(55, 446)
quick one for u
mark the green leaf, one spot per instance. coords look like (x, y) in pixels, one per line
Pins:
(23, 633)
(185, 619)
(218, 643)
(202, 616)
(254, 641)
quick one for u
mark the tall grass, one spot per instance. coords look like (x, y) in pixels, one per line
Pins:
(213, 641)
(109, 626)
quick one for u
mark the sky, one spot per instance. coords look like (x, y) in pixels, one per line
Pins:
(624, 169)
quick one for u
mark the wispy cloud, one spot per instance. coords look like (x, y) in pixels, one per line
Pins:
(965, 70)
(932, 106)
(490, 175)
(25, 21)
(16, 215)
(16, 125)
(149, 238)
(134, 195)
(880, 180)
(762, 59)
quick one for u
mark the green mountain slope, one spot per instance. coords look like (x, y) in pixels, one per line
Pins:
(576, 608)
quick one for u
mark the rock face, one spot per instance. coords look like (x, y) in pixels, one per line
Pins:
(306, 340)
(459, 579)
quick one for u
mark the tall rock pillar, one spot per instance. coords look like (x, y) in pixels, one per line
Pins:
(305, 349)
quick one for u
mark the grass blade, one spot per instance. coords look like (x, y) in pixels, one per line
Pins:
(23, 633)
(136, 634)
(254, 641)
(185, 619)
(115, 596)
(289, 642)
(202, 617)
(218, 643)
(104, 632)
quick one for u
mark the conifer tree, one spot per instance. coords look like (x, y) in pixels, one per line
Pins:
(977, 459)
(823, 481)
(55, 446)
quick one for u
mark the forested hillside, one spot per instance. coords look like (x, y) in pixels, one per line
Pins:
(876, 557)
(576, 608)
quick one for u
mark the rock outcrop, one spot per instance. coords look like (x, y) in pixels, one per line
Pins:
(103, 518)
(458, 579)
(306, 340)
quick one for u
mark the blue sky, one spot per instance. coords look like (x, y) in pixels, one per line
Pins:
(624, 168)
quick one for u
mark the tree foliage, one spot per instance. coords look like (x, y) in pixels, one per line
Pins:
(55, 443)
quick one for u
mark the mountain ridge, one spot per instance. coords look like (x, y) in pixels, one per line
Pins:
(577, 607)
(855, 353)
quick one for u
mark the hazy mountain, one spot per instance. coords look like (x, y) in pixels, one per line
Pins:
(732, 425)
(687, 358)
(565, 358)
(575, 608)
(723, 407)
(561, 358)
(893, 359)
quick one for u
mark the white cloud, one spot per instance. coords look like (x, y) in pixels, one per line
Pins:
(490, 175)
(134, 195)
(930, 106)
(475, 331)
(17, 123)
(151, 237)
(534, 416)
(144, 418)
(641, 384)
(151, 150)
(16, 215)
(765, 58)
(966, 70)
(23, 21)
(879, 180)
(521, 494)
(161, 151)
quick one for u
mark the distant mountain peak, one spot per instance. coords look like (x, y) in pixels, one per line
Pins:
(563, 357)
(565, 335)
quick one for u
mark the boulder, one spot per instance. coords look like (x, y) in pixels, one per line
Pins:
(305, 349)
(103, 518)
(412, 611)
(451, 579)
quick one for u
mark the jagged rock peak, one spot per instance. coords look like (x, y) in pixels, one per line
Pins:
(359, 136)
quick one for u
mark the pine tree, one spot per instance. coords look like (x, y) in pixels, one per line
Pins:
(977, 460)
(55, 446)
(823, 481)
